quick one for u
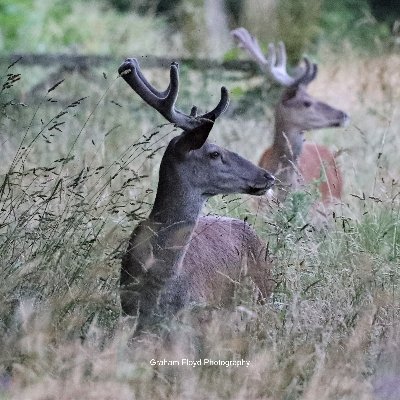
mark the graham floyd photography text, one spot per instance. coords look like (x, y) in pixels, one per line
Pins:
(185, 362)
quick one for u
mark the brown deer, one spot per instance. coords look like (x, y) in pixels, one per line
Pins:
(176, 257)
(293, 162)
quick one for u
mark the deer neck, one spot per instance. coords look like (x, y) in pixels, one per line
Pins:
(284, 153)
(176, 204)
(156, 251)
(288, 142)
(173, 218)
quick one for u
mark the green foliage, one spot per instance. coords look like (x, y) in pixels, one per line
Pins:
(385, 10)
(13, 14)
(120, 5)
(235, 10)
(379, 231)
(189, 18)
(352, 19)
(54, 25)
(304, 24)
(298, 25)
(296, 209)
(232, 54)
(19, 18)
(89, 27)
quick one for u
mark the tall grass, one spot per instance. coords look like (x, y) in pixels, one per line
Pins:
(78, 171)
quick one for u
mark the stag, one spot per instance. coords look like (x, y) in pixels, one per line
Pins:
(293, 162)
(176, 257)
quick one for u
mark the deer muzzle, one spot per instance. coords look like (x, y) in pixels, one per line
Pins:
(262, 188)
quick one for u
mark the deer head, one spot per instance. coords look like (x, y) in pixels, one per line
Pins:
(297, 110)
(192, 168)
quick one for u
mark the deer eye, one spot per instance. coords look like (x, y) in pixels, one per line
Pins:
(307, 104)
(214, 155)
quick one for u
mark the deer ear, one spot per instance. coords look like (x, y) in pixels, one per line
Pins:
(289, 94)
(194, 138)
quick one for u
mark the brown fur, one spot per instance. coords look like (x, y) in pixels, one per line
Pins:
(315, 163)
(236, 252)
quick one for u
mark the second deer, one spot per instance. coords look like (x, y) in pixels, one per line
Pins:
(293, 162)
(176, 257)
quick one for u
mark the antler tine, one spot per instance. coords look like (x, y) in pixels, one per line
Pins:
(271, 56)
(276, 61)
(248, 42)
(131, 73)
(277, 68)
(307, 73)
(173, 86)
(281, 56)
(173, 94)
(164, 102)
(313, 74)
(147, 83)
(221, 106)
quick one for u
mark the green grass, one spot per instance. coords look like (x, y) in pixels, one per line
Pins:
(79, 169)
(44, 26)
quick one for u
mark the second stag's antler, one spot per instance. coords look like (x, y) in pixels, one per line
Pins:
(164, 102)
(276, 60)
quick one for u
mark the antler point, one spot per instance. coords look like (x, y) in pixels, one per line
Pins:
(125, 72)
